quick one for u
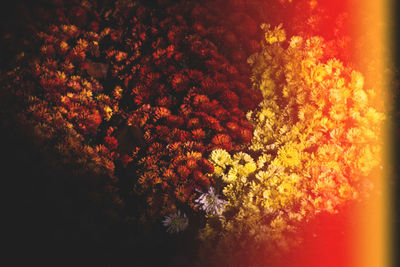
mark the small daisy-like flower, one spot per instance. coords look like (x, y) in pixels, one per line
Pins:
(222, 141)
(176, 222)
(231, 176)
(220, 157)
(242, 158)
(210, 203)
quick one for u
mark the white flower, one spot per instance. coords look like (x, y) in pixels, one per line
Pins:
(210, 203)
(176, 222)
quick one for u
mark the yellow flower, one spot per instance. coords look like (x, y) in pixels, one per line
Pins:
(267, 194)
(360, 97)
(357, 80)
(242, 158)
(275, 35)
(288, 155)
(262, 176)
(231, 176)
(316, 130)
(220, 157)
(108, 112)
(218, 171)
(373, 116)
(262, 160)
(295, 42)
(249, 167)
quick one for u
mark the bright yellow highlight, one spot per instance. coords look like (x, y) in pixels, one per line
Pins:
(372, 27)
(317, 134)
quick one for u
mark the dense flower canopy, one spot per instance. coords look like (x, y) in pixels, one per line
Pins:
(135, 87)
(186, 122)
(316, 140)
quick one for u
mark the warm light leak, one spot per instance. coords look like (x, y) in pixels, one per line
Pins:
(372, 29)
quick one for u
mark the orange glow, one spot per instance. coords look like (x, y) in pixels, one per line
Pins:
(371, 30)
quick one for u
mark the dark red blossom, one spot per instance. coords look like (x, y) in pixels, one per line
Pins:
(93, 122)
(174, 121)
(233, 127)
(222, 141)
(183, 171)
(111, 142)
(245, 135)
(175, 75)
(179, 81)
(182, 193)
(206, 166)
(198, 134)
(125, 159)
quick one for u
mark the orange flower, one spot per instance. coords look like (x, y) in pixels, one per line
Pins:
(182, 193)
(198, 134)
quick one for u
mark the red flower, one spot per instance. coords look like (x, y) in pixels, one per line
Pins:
(238, 56)
(206, 166)
(253, 46)
(199, 28)
(111, 142)
(198, 134)
(222, 141)
(93, 121)
(174, 121)
(183, 172)
(232, 126)
(230, 39)
(209, 86)
(193, 123)
(229, 99)
(200, 100)
(182, 193)
(191, 164)
(237, 113)
(179, 82)
(170, 176)
(245, 135)
(94, 26)
(246, 124)
(247, 26)
(162, 131)
(203, 180)
(212, 123)
(125, 159)
(180, 135)
(221, 114)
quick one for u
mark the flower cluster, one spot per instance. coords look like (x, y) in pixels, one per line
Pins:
(187, 98)
(316, 141)
(136, 87)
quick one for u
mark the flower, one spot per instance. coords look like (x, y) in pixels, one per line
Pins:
(176, 106)
(176, 222)
(314, 141)
(231, 176)
(220, 157)
(210, 202)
